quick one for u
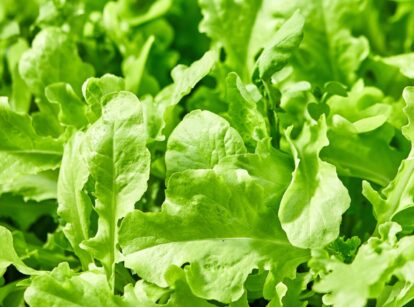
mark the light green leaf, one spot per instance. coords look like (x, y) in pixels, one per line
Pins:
(186, 78)
(74, 203)
(200, 141)
(119, 163)
(72, 108)
(408, 130)
(271, 168)
(311, 208)
(365, 107)
(37, 187)
(398, 194)
(22, 151)
(134, 15)
(216, 222)
(360, 134)
(329, 51)
(63, 287)
(277, 53)
(48, 62)
(230, 24)
(404, 62)
(133, 67)
(358, 155)
(398, 295)
(8, 255)
(20, 97)
(352, 284)
(178, 293)
(95, 90)
(24, 213)
(243, 113)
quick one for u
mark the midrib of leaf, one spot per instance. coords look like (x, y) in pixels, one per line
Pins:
(32, 151)
(253, 239)
(113, 204)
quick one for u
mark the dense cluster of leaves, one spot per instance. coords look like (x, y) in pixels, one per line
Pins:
(206, 153)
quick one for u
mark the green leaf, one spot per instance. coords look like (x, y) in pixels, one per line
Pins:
(37, 187)
(200, 141)
(230, 24)
(179, 294)
(217, 223)
(352, 284)
(119, 163)
(24, 213)
(12, 295)
(74, 203)
(277, 53)
(358, 155)
(22, 151)
(243, 113)
(63, 287)
(362, 106)
(185, 79)
(20, 97)
(344, 250)
(72, 108)
(404, 62)
(95, 90)
(272, 168)
(311, 208)
(329, 51)
(134, 67)
(47, 62)
(398, 194)
(8, 255)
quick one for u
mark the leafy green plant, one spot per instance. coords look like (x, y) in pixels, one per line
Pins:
(206, 153)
